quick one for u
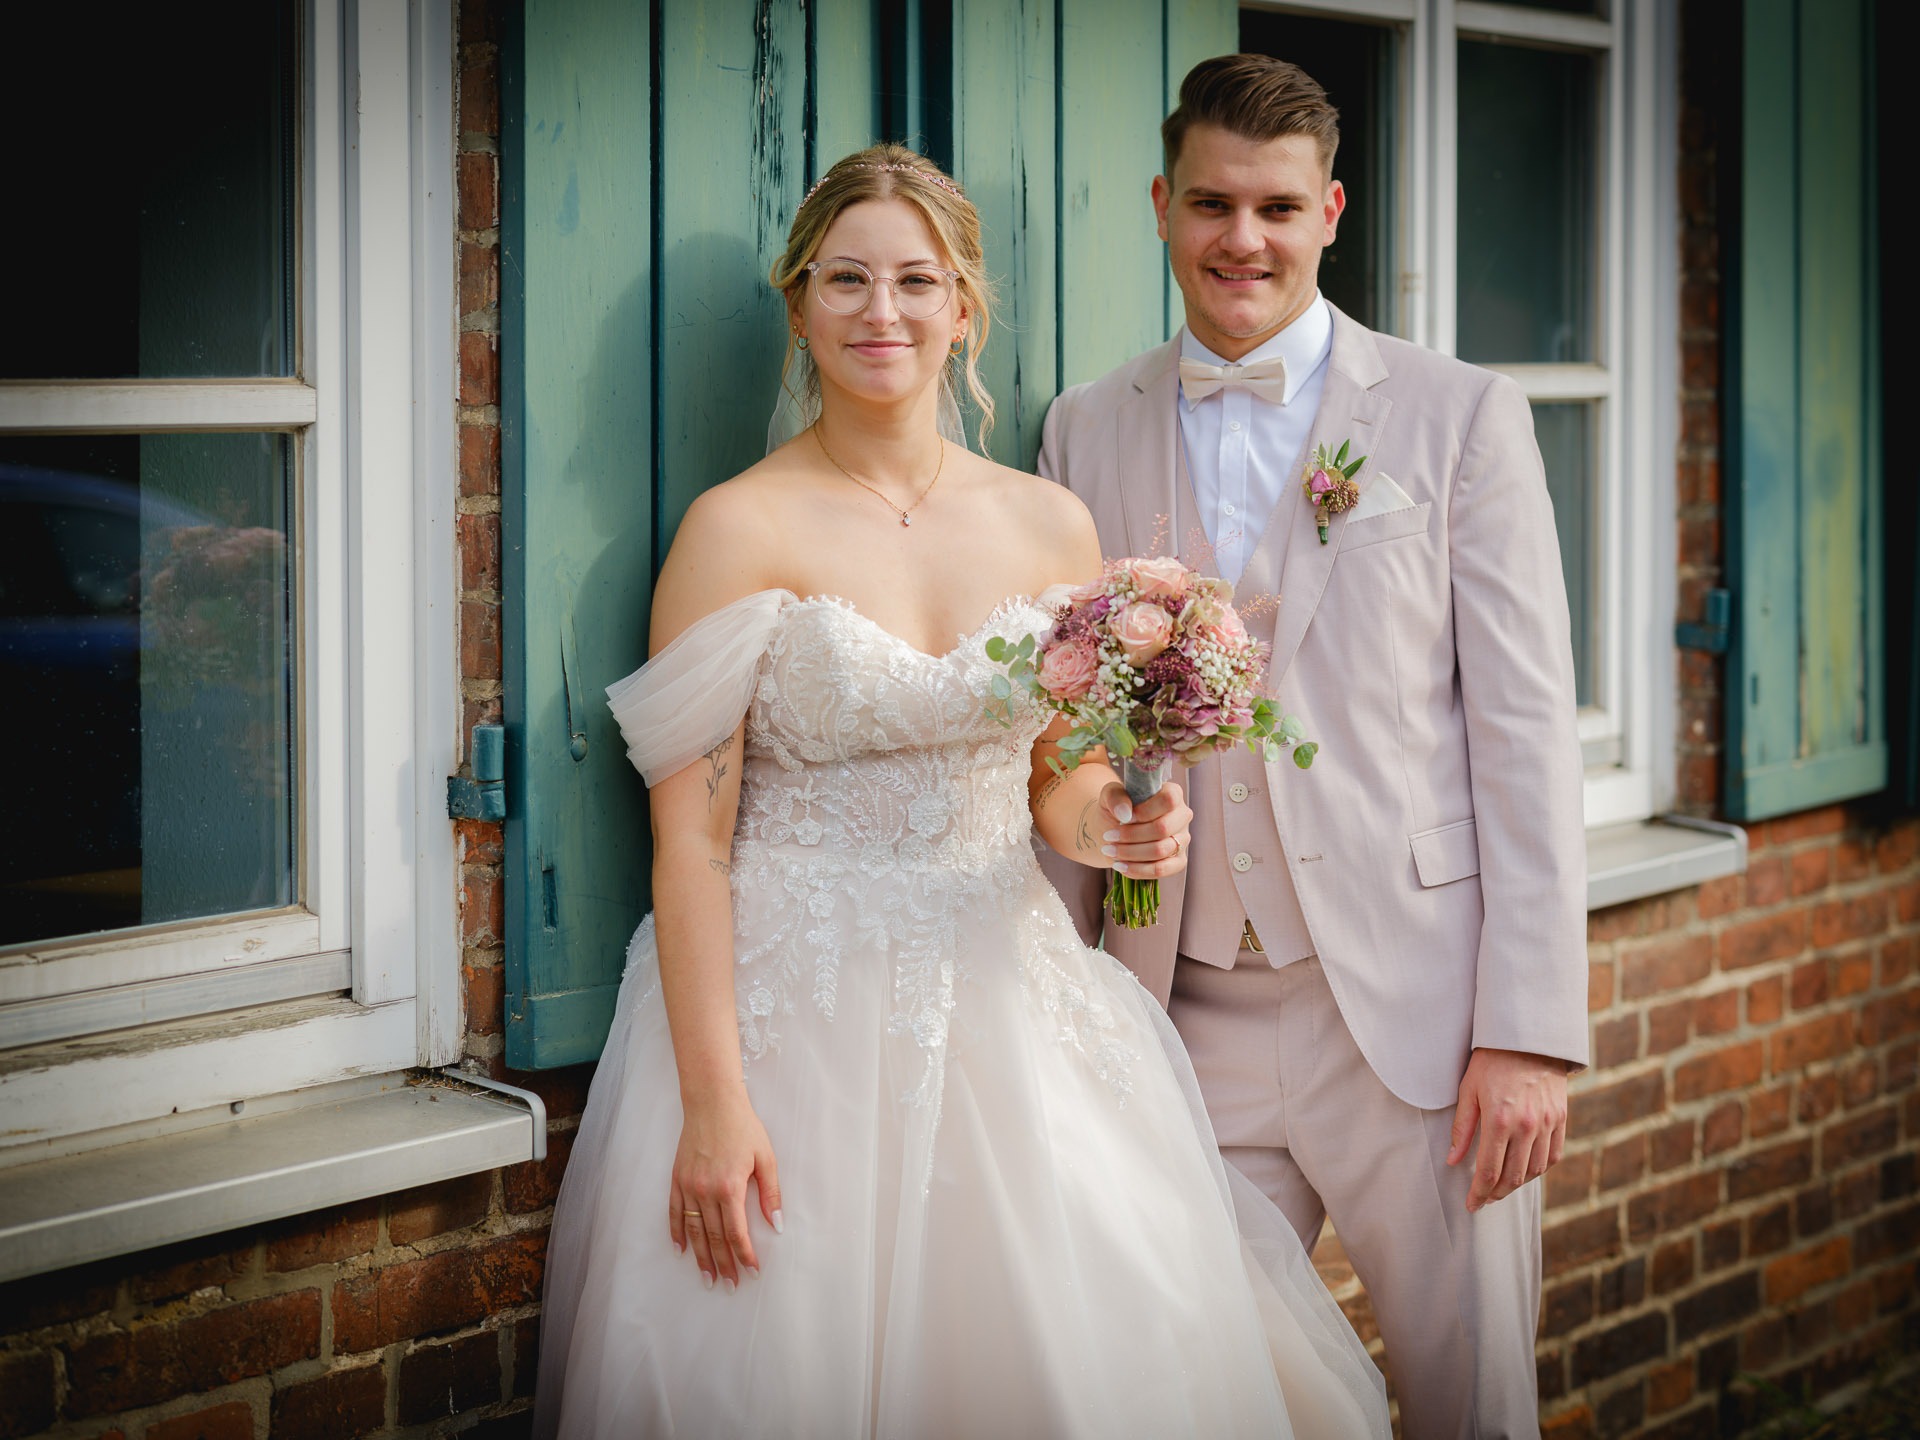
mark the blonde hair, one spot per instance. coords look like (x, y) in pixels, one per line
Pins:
(893, 172)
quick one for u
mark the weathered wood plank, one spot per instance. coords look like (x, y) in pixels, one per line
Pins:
(577, 371)
(1832, 448)
(1765, 519)
(1004, 156)
(1112, 264)
(730, 159)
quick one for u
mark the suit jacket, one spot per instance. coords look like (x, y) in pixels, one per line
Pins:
(1437, 846)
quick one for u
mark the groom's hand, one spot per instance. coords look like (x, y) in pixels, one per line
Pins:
(1518, 1103)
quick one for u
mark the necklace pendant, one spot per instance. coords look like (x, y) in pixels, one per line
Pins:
(906, 520)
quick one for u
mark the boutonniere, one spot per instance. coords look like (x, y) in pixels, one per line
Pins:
(1329, 486)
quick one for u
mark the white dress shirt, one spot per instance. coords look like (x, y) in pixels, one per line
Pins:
(1244, 454)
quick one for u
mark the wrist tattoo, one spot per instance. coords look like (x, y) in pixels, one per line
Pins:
(1046, 792)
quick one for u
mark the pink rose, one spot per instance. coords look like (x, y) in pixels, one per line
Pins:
(1227, 630)
(1143, 631)
(1067, 671)
(1154, 579)
(1321, 482)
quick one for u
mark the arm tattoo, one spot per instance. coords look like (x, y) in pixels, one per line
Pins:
(1083, 836)
(720, 867)
(1046, 792)
(717, 771)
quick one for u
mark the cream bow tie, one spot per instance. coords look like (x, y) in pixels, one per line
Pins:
(1266, 379)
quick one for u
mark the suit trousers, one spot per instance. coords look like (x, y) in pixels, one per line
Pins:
(1297, 1108)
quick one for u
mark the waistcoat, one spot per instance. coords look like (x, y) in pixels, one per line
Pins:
(1237, 870)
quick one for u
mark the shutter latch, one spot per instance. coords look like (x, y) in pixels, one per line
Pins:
(1710, 636)
(484, 796)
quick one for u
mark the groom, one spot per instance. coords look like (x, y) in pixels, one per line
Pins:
(1378, 966)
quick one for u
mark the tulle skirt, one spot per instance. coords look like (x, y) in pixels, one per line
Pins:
(1004, 1217)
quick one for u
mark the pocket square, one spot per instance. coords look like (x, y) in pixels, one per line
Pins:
(1379, 496)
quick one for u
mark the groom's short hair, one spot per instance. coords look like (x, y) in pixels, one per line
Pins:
(1256, 97)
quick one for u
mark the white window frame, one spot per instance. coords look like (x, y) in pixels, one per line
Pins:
(377, 709)
(1629, 762)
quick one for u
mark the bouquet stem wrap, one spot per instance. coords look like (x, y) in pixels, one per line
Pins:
(1135, 904)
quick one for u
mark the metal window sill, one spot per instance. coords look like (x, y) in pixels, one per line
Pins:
(68, 1209)
(1652, 857)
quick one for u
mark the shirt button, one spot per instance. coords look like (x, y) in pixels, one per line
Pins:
(1233, 425)
(1228, 509)
(1236, 792)
(1243, 862)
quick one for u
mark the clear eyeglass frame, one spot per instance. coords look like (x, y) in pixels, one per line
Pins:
(914, 303)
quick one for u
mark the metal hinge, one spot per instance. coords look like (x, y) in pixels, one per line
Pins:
(1710, 636)
(484, 795)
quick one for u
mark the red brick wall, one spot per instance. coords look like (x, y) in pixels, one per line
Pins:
(1738, 1199)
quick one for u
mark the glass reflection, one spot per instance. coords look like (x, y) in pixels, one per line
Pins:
(1567, 431)
(145, 648)
(1527, 214)
(150, 184)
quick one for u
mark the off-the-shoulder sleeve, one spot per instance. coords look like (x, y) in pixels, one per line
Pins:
(689, 697)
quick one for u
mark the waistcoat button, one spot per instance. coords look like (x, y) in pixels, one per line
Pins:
(1237, 792)
(1243, 862)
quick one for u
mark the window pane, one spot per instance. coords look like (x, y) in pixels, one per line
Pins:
(1569, 7)
(1527, 217)
(1354, 64)
(1566, 431)
(149, 177)
(145, 649)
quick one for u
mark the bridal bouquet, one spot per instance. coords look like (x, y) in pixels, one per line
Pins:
(1151, 661)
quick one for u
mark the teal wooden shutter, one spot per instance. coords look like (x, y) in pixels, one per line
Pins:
(652, 157)
(1806, 673)
(577, 523)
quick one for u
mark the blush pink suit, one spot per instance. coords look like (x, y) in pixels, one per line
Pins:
(1418, 893)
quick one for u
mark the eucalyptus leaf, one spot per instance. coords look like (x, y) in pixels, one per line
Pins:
(1291, 728)
(1002, 687)
(997, 649)
(1304, 752)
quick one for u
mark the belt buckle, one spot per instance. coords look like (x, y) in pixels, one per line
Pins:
(1250, 939)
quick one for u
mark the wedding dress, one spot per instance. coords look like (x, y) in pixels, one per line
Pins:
(1004, 1213)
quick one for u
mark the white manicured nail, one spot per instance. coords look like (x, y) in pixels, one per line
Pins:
(706, 1279)
(1111, 835)
(1107, 850)
(732, 1285)
(779, 1223)
(1123, 812)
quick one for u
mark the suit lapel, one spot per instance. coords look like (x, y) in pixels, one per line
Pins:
(1349, 411)
(1145, 434)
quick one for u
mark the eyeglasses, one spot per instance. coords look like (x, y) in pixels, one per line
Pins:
(846, 287)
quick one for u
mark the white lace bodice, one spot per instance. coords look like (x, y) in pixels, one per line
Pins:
(879, 803)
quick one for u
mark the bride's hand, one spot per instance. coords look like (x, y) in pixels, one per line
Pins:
(1148, 841)
(723, 1145)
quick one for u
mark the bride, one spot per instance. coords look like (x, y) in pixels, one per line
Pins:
(876, 1147)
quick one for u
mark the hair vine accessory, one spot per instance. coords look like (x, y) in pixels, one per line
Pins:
(932, 177)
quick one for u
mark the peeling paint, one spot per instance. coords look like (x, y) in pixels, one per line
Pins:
(769, 159)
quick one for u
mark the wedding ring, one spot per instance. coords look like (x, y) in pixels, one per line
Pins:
(691, 1214)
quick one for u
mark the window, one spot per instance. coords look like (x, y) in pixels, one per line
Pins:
(1503, 189)
(225, 492)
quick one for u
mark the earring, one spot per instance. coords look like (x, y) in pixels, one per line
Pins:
(959, 345)
(799, 341)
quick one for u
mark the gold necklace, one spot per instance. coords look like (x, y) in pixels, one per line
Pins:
(906, 516)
